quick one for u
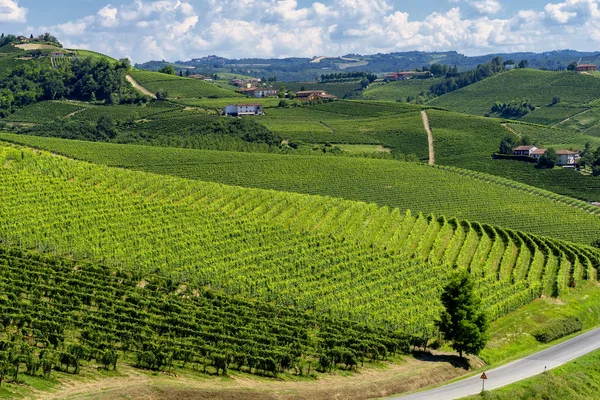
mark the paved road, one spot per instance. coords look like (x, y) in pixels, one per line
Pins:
(515, 371)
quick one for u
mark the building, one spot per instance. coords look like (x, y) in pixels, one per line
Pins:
(585, 68)
(537, 153)
(399, 76)
(524, 150)
(314, 95)
(567, 157)
(236, 110)
(264, 92)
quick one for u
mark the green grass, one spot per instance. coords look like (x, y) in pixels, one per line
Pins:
(587, 123)
(386, 183)
(45, 111)
(540, 87)
(179, 87)
(551, 115)
(398, 90)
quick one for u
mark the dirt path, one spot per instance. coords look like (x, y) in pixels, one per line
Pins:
(368, 383)
(429, 138)
(139, 87)
(75, 112)
(511, 129)
(574, 115)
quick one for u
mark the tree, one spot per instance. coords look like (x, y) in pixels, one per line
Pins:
(548, 159)
(105, 128)
(572, 66)
(507, 145)
(587, 156)
(523, 64)
(462, 320)
(555, 100)
(167, 69)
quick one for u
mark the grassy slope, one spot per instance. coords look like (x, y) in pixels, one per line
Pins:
(387, 183)
(540, 87)
(468, 142)
(179, 87)
(398, 90)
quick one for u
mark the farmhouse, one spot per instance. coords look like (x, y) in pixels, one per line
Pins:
(236, 110)
(404, 75)
(524, 150)
(567, 157)
(312, 95)
(259, 92)
(585, 67)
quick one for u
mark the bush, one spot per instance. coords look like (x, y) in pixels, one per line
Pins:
(556, 329)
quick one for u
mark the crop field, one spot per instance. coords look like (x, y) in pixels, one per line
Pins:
(366, 263)
(110, 311)
(266, 102)
(179, 87)
(417, 187)
(45, 111)
(540, 87)
(551, 115)
(559, 137)
(338, 89)
(398, 90)
(587, 123)
(123, 113)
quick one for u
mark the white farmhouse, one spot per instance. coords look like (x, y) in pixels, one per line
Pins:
(235, 110)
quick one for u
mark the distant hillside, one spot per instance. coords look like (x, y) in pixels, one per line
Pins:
(573, 90)
(306, 69)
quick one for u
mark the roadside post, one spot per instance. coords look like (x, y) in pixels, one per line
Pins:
(483, 378)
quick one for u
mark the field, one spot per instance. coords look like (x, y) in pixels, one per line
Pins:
(540, 87)
(179, 87)
(586, 123)
(387, 183)
(398, 90)
(45, 111)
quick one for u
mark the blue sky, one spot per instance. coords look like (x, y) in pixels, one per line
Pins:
(185, 29)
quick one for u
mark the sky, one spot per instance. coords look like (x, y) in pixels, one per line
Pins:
(144, 30)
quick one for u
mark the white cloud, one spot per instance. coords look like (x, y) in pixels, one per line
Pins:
(108, 16)
(11, 12)
(487, 6)
(180, 30)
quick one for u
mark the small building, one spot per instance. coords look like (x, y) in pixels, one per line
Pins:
(399, 76)
(537, 153)
(57, 54)
(585, 68)
(524, 150)
(567, 158)
(313, 95)
(264, 92)
(509, 66)
(236, 110)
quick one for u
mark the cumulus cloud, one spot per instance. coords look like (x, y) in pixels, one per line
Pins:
(180, 30)
(11, 12)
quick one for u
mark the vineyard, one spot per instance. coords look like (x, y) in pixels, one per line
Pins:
(399, 90)
(453, 193)
(540, 87)
(349, 259)
(45, 111)
(179, 87)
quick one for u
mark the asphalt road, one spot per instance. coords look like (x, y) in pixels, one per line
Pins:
(515, 371)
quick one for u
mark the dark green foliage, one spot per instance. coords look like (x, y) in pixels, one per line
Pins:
(513, 109)
(456, 81)
(87, 79)
(557, 328)
(167, 69)
(347, 76)
(507, 145)
(462, 322)
(548, 159)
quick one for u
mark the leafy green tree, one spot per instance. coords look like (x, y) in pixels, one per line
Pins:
(548, 159)
(507, 145)
(167, 69)
(572, 66)
(587, 156)
(523, 64)
(106, 128)
(462, 322)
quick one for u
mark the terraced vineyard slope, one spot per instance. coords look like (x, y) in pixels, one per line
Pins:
(451, 192)
(349, 259)
(179, 87)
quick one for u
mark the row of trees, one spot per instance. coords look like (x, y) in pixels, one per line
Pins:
(44, 37)
(346, 76)
(455, 81)
(513, 109)
(87, 79)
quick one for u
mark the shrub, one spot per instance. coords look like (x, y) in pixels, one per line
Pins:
(556, 329)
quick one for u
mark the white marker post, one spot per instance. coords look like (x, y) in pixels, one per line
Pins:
(483, 378)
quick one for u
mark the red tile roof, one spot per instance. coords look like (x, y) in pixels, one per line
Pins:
(520, 148)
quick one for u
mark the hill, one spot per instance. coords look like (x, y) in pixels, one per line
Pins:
(399, 90)
(387, 183)
(179, 87)
(576, 91)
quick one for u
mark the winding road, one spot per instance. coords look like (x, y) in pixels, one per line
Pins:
(515, 371)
